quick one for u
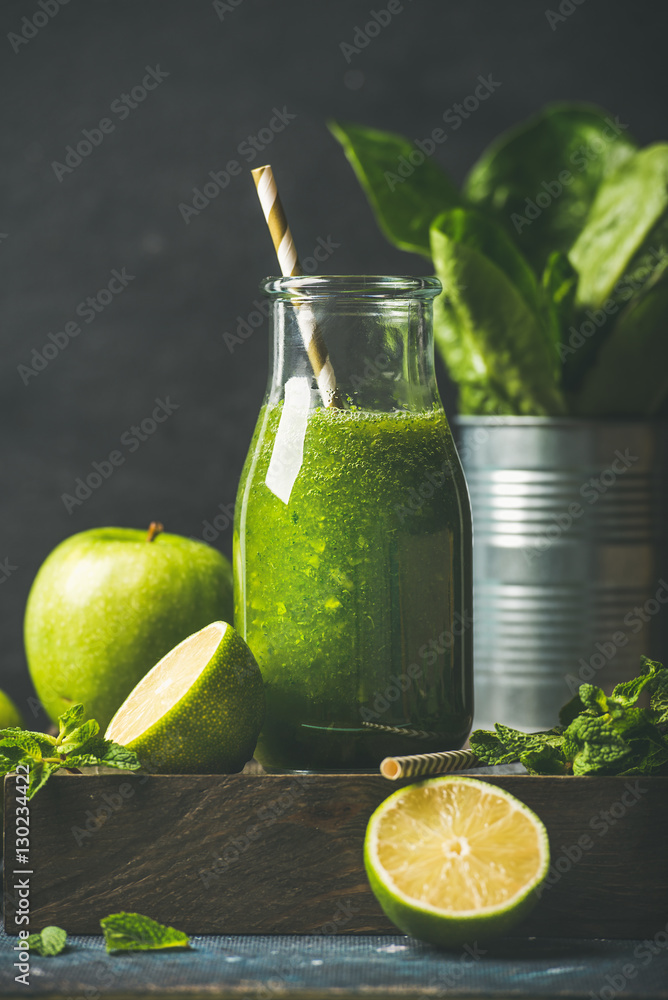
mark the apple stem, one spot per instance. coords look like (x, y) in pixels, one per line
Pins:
(154, 530)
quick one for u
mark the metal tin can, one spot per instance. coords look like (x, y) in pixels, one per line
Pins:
(569, 558)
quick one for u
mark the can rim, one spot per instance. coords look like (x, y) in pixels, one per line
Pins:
(512, 420)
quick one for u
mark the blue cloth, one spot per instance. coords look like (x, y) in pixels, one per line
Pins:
(347, 966)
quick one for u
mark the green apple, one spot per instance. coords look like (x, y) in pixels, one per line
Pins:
(107, 604)
(9, 714)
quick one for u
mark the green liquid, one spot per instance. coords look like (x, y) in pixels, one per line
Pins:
(355, 596)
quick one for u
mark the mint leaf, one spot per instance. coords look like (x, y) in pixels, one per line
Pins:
(649, 757)
(82, 760)
(659, 704)
(7, 734)
(596, 735)
(21, 742)
(658, 686)
(96, 746)
(106, 754)
(48, 942)
(628, 692)
(13, 755)
(518, 741)
(488, 747)
(594, 746)
(117, 756)
(40, 772)
(546, 760)
(70, 720)
(593, 699)
(570, 710)
(78, 745)
(78, 737)
(534, 750)
(632, 723)
(135, 932)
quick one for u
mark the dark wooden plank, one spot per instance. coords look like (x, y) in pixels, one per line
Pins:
(609, 856)
(282, 854)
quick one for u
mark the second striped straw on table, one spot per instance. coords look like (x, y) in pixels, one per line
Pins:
(289, 264)
(416, 765)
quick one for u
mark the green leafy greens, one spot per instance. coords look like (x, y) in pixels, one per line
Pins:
(596, 734)
(553, 260)
(122, 932)
(541, 177)
(77, 745)
(135, 932)
(490, 284)
(48, 942)
(404, 211)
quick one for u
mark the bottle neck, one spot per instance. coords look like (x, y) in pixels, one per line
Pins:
(380, 349)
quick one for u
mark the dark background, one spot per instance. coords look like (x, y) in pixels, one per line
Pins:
(163, 335)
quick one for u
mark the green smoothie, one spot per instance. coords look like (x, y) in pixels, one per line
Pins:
(355, 595)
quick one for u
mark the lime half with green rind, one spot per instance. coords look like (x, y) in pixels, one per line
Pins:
(199, 710)
(455, 859)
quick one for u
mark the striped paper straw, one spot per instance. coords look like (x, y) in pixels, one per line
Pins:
(428, 763)
(415, 734)
(289, 264)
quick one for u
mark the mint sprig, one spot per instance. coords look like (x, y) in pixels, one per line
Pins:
(135, 932)
(596, 735)
(48, 942)
(77, 745)
(122, 932)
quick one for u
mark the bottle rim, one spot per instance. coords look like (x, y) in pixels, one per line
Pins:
(352, 286)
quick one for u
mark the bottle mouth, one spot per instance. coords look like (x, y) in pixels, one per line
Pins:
(352, 286)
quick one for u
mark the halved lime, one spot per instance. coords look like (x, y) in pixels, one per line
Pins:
(199, 710)
(453, 859)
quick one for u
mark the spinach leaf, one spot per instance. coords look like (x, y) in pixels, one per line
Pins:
(628, 205)
(646, 265)
(559, 283)
(495, 309)
(631, 371)
(541, 177)
(405, 197)
(567, 196)
(641, 273)
(460, 354)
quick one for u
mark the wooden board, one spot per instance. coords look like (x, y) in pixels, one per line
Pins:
(280, 854)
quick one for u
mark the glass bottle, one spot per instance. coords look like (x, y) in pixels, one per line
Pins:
(352, 534)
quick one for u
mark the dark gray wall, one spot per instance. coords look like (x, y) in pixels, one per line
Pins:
(119, 209)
